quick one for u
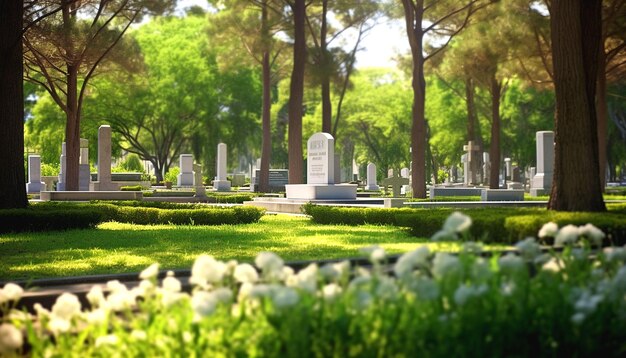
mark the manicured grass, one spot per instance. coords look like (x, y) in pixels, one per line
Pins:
(116, 248)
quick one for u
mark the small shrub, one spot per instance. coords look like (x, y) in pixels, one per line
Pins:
(172, 175)
(19, 220)
(131, 188)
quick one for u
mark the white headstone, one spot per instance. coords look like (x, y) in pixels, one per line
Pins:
(104, 160)
(63, 161)
(371, 177)
(185, 178)
(542, 181)
(404, 172)
(473, 158)
(320, 161)
(84, 174)
(389, 173)
(221, 183)
(355, 170)
(466, 170)
(34, 185)
(199, 186)
(84, 151)
(508, 167)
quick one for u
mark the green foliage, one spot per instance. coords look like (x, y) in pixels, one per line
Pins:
(504, 225)
(172, 175)
(31, 219)
(131, 188)
(132, 163)
(50, 169)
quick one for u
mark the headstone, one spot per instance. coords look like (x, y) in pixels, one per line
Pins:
(84, 172)
(396, 184)
(321, 153)
(466, 170)
(389, 173)
(542, 181)
(34, 185)
(278, 178)
(486, 168)
(63, 161)
(532, 172)
(508, 168)
(198, 184)
(404, 173)
(104, 182)
(355, 170)
(221, 183)
(473, 161)
(238, 179)
(454, 174)
(337, 169)
(516, 176)
(371, 177)
(186, 176)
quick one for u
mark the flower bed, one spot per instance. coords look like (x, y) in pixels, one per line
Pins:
(559, 304)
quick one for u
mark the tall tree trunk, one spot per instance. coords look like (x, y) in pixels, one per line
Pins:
(12, 180)
(296, 93)
(72, 130)
(471, 109)
(266, 146)
(325, 80)
(576, 31)
(602, 114)
(494, 150)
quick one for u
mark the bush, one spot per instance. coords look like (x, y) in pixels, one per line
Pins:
(131, 188)
(132, 163)
(172, 175)
(30, 219)
(49, 169)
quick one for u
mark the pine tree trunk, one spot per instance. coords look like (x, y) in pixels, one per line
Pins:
(494, 150)
(325, 80)
(266, 147)
(72, 130)
(12, 178)
(296, 94)
(576, 28)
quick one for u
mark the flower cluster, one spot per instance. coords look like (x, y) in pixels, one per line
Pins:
(414, 307)
(570, 234)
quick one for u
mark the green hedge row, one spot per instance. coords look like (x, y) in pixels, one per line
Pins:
(17, 220)
(63, 216)
(507, 225)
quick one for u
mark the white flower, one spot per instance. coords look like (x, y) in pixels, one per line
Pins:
(223, 294)
(144, 289)
(387, 288)
(481, 270)
(97, 317)
(507, 288)
(305, 279)
(58, 325)
(615, 254)
(203, 303)
(587, 302)
(464, 292)
(269, 263)
(10, 338)
(592, 233)
(529, 248)
(121, 300)
(244, 291)
(12, 292)
(510, 264)
(150, 273)
(567, 235)
(444, 235)
(407, 262)
(426, 289)
(138, 335)
(116, 285)
(553, 265)
(207, 270)
(285, 297)
(457, 222)
(363, 300)
(170, 298)
(335, 271)
(260, 291)
(331, 291)
(578, 318)
(445, 264)
(246, 273)
(41, 311)
(108, 340)
(66, 307)
(548, 230)
(375, 253)
(171, 283)
(95, 296)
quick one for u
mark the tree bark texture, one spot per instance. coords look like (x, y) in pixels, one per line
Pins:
(576, 30)
(296, 94)
(494, 150)
(12, 178)
(413, 18)
(325, 80)
(266, 143)
(602, 115)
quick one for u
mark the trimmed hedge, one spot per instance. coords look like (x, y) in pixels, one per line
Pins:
(18, 220)
(63, 216)
(507, 225)
(131, 188)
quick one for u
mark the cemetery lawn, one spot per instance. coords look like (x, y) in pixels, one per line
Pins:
(118, 248)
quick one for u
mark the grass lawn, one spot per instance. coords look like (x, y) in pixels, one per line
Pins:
(117, 248)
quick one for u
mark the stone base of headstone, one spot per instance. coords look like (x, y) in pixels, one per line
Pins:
(184, 179)
(372, 187)
(542, 181)
(321, 191)
(539, 192)
(60, 186)
(238, 179)
(84, 177)
(502, 195)
(103, 186)
(221, 185)
(514, 185)
(35, 187)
